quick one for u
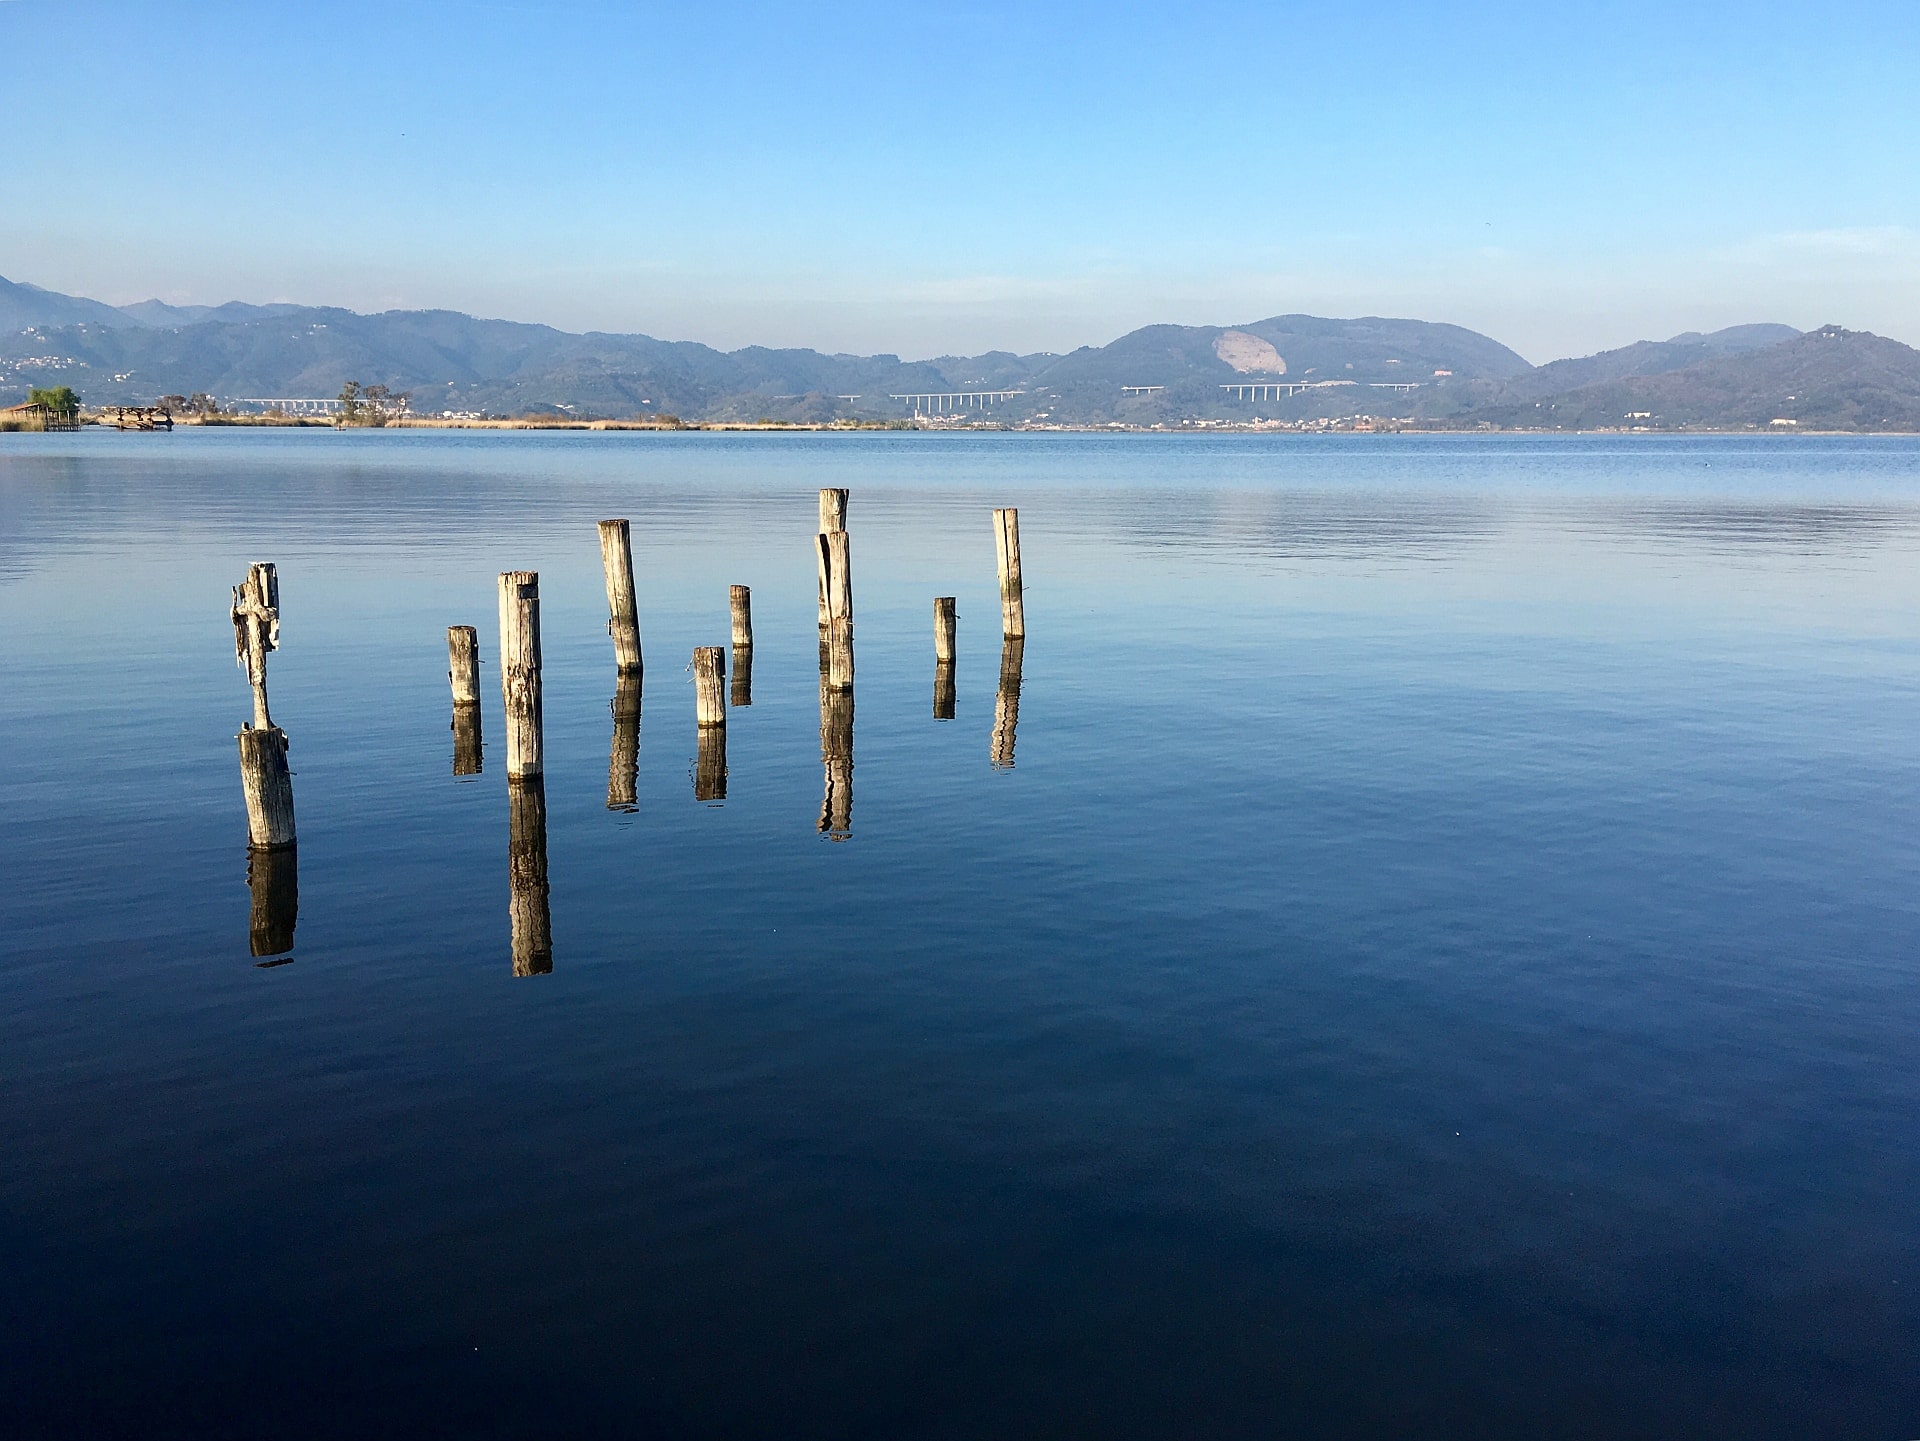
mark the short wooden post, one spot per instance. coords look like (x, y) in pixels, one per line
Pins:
(520, 670)
(1006, 539)
(463, 663)
(710, 685)
(836, 582)
(740, 603)
(623, 619)
(266, 782)
(833, 516)
(944, 626)
(623, 759)
(463, 671)
(741, 692)
(710, 764)
(1006, 701)
(529, 911)
(273, 878)
(836, 761)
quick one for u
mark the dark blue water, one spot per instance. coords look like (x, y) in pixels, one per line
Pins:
(1444, 959)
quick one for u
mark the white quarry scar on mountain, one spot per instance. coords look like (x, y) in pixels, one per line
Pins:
(1249, 354)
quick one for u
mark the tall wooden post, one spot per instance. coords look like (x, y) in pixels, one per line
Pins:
(710, 685)
(836, 583)
(1006, 701)
(623, 619)
(833, 516)
(623, 759)
(529, 911)
(266, 782)
(520, 670)
(1006, 540)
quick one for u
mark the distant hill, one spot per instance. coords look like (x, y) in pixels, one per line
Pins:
(1310, 367)
(1827, 379)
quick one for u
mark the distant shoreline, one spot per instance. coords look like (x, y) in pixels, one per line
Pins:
(244, 422)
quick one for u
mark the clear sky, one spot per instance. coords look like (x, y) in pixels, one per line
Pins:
(929, 179)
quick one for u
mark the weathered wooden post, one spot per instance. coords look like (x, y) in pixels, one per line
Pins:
(710, 764)
(520, 670)
(1006, 539)
(463, 671)
(944, 626)
(265, 780)
(273, 878)
(710, 685)
(836, 762)
(529, 911)
(740, 604)
(836, 582)
(623, 619)
(463, 664)
(833, 516)
(623, 760)
(1006, 702)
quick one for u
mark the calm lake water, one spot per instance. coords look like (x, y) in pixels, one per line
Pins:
(1444, 959)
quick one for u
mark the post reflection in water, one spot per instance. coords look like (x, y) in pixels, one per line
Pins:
(274, 878)
(527, 904)
(623, 761)
(1006, 703)
(466, 740)
(836, 760)
(742, 694)
(943, 690)
(710, 765)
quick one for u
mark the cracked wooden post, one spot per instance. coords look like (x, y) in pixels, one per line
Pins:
(529, 911)
(623, 759)
(520, 670)
(740, 605)
(463, 671)
(1006, 540)
(463, 664)
(943, 651)
(266, 782)
(833, 516)
(836, 582)
(623, 619)
(710, 685)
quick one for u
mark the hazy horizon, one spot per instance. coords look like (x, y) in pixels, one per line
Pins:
(872, 182)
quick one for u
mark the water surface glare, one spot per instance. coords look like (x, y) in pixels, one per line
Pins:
(1433, 951)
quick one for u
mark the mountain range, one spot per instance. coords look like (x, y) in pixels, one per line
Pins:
(1308, 369)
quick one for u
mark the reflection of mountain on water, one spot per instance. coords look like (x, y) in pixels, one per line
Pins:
(1746, 526)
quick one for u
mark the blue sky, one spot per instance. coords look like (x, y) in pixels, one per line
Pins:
(926, 180)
